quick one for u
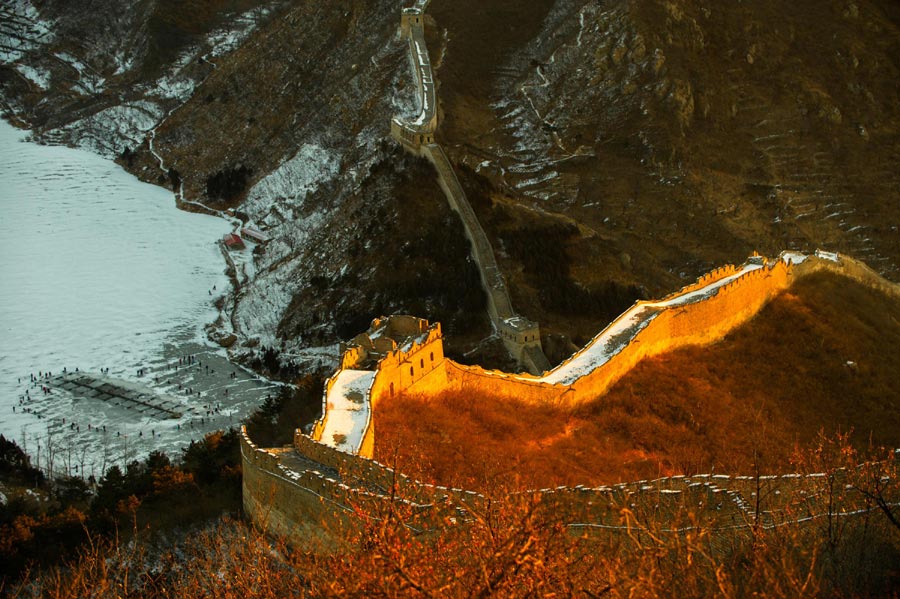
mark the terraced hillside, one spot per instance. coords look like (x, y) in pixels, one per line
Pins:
(655, 139)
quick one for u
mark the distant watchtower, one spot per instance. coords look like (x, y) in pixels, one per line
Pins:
(409, 18)
(418, 132)
(522, 338)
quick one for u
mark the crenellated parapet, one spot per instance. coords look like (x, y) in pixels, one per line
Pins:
(311, 491)
(396, 353)
(403, 354)
(418, 132)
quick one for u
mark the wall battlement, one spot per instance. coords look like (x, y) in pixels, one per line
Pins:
(310, 492)
(396, 353)
(418, 132)
(520, 336)
(403, 354)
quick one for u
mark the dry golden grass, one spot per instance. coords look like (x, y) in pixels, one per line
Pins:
(515, 548)
(822, 357)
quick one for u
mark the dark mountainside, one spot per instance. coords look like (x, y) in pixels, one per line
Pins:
(612, 149)
(669, 137)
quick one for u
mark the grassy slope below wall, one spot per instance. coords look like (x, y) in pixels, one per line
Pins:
(821, 357)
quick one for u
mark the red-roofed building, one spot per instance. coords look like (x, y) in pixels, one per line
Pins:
(233, 241)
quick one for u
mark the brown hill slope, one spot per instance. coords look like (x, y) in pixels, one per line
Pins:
(822, 357)
(611, 149)
(676, 135)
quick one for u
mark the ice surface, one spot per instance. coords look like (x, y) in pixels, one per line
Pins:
(99, 271)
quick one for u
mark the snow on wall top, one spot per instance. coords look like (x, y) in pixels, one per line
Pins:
(348, 410)
(619, 334)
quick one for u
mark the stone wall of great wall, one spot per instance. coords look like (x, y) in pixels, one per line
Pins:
(520, 336)
(416, 134)
(311, 492)
(667, 328)
(696, 323)
(319, 498)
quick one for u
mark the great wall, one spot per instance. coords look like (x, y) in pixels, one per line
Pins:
(521, 336)
(310, 492)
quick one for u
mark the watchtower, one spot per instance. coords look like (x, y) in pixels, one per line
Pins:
(409, 18)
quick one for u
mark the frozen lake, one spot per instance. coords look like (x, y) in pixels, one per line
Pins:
(101, 271)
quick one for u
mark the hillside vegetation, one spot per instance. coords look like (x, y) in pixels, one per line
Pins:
(611, 149)
(675, 135)
(519, 547)
(821, 357)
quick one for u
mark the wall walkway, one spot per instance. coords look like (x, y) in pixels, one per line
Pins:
(521, 336)
(499, 305)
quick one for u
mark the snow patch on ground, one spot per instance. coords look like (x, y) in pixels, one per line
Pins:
(89, 81)
(125, 59)
(262, 306)
(40, 77)
(832, 256)
(324, 357)
(176, 85)
(110, 131)
(32, 30)
(793, 257)
(274, 204)
(263, 302)
(228, 40)
(294, 179)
